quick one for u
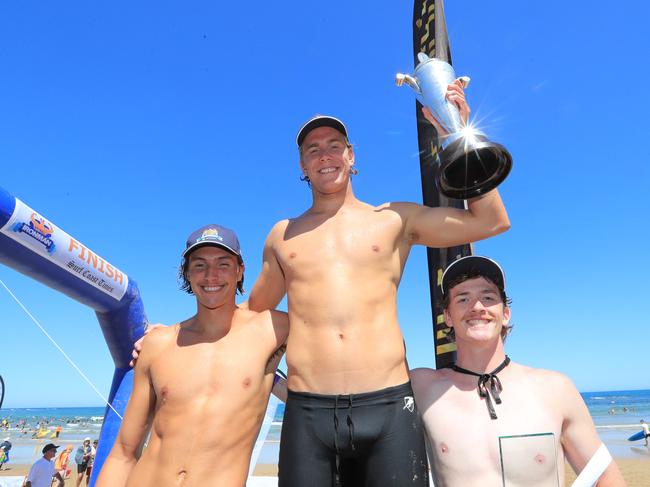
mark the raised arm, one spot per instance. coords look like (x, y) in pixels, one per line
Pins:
(579, 438)
(484, 217)
(446, 227)
(269, 289)
(136, 422)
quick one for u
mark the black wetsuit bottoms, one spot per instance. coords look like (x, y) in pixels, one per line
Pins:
(355, 440)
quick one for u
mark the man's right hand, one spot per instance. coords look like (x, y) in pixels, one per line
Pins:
(137, 346)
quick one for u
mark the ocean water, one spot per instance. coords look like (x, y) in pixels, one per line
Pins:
(616, 415)
(76, 424)
(614, 407)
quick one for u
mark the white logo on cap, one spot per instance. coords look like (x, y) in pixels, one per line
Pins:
(210, 234)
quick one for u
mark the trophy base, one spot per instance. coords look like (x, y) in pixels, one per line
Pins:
(468, 170)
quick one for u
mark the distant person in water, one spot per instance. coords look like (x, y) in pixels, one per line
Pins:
(201, 386)
(468, 408)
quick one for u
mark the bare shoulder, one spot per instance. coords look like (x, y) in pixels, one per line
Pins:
(557, 387)
(425, 379)
(262, 317)
(155, 341)
(277, 231)
(401, 207)
(248, 316)
(548, 379)
(267, 319)
(160, 336)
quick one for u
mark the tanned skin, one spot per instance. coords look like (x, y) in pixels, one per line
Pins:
(340, 264)
(200, 386)
(464, 439)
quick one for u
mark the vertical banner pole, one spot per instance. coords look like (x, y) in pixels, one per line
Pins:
(430, 37)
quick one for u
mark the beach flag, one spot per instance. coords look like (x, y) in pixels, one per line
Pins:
(430, 37)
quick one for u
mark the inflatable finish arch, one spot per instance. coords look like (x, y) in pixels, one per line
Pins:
(37, 248)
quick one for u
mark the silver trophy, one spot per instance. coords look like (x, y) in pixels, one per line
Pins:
(470, 164)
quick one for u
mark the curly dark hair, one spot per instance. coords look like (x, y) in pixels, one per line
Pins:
(473, 274)
(187, 287)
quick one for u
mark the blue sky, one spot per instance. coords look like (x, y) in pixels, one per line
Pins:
(131, 124)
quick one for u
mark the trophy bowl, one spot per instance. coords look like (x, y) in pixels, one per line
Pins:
(470, 164)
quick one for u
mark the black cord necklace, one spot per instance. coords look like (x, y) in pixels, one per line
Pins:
(483, 379)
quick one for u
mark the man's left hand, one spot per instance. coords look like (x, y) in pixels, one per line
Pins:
(456, 95)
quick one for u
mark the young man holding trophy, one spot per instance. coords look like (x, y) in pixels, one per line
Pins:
(350, 417)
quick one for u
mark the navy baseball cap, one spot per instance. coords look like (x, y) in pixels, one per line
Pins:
(213, 235)
(50, 446)
(320, 121)
(474, 264)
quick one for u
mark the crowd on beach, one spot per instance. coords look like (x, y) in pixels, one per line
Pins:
(65, 461)
(40, 428)
(54, 468)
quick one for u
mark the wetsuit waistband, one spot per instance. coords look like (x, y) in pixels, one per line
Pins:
(330, 401)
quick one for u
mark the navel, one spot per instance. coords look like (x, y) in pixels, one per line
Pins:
(180, 477)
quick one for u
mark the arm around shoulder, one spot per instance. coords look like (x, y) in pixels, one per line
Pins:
(269, 289)
(280, 329)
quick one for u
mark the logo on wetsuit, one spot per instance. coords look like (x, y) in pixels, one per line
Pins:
(409, 404)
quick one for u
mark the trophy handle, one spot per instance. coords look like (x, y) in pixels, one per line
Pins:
(401, 78)
(464, 80)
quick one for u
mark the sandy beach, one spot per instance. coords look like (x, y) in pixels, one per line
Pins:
(635, 471)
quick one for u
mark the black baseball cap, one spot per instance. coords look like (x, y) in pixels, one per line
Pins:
(50, 446)
(474, 264)
(213, 235)
(320, 121)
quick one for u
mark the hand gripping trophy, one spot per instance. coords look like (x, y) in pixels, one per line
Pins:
(470, 164)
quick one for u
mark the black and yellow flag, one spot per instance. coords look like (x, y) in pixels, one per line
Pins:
(430, 37)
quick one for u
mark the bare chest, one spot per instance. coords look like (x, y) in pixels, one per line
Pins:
(523, 442)
(364, 241)
(206, 371)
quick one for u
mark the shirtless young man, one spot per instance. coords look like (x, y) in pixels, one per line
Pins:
(465, 416)
(350, 417)
(201, 385)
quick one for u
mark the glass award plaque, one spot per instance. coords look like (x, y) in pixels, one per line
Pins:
(529, 460)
